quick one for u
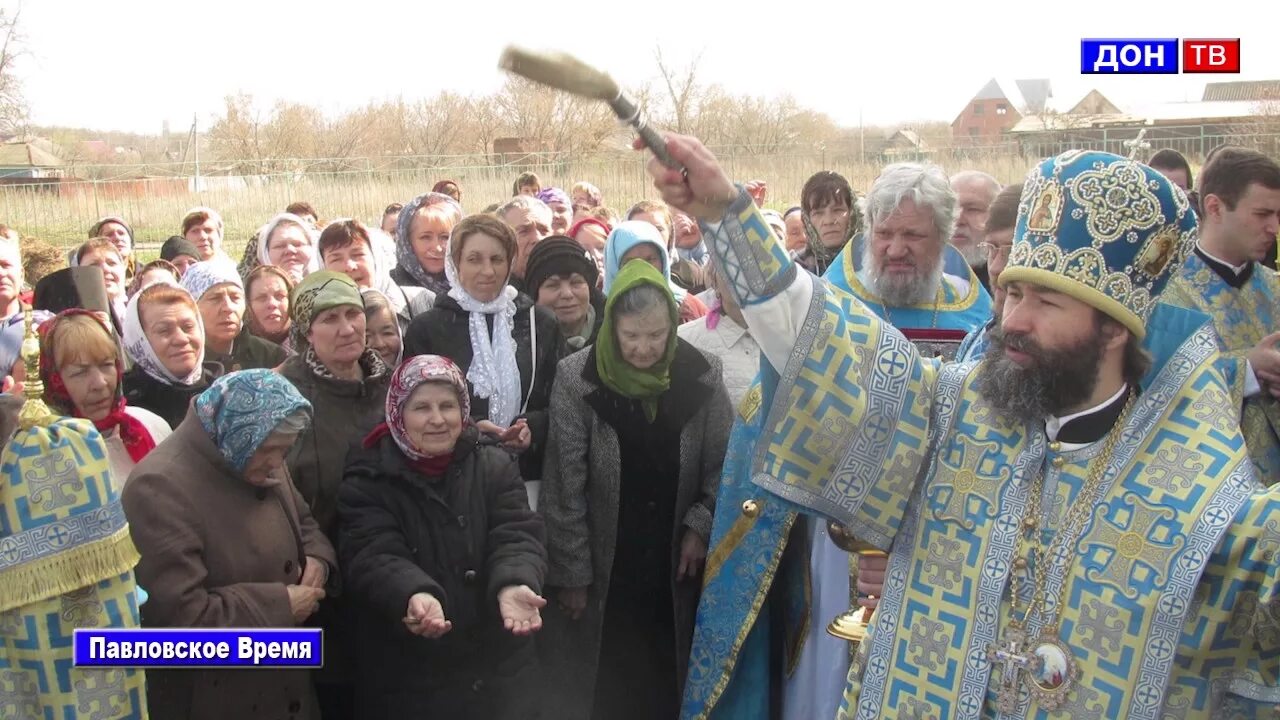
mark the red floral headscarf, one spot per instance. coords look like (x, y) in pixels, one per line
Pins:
(407, 377)
(137, 439)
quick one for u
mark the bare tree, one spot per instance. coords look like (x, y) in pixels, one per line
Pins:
(295, 131)
(351, 136)
(542, 119)
(683, 90)
(1260, 130)
(438, 126)
(486, 125)
(13, 105)
(237, 135)
(553, 120)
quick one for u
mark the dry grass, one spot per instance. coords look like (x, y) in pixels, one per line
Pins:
(64, 220)
(39, 258)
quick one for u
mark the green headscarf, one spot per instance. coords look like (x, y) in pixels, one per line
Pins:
(616, 373)
(318, 292)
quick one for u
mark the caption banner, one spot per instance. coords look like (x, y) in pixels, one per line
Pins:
(183, 648)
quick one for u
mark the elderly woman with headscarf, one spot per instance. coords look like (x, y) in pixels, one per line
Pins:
(344, 380)
(442, 557)
(829, 209)
(228, 542)
(639, 427)
(82, 372)
(381, 330)
(287, 242)
(348, 246)
(118, 232)
(562, 277)
(640, 239)
(346, 383)
(422, 239)
(506, 345)
(219, 293)
(561, 209)
(266, 311)
(164, 336)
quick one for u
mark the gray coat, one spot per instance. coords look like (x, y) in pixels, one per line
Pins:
(581, 491)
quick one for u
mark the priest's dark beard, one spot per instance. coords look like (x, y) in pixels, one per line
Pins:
(1055, 380)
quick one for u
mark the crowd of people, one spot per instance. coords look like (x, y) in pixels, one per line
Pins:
(552, 460)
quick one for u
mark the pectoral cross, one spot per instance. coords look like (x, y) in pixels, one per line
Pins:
(1012, 658)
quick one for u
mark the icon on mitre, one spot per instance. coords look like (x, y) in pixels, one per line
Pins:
(1046, 209)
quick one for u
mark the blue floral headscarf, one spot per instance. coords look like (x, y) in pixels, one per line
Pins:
(241, 410)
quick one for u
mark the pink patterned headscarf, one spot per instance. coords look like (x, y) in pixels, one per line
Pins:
(406, 378)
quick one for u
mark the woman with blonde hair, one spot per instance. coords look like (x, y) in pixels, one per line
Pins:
(83, 376)
(422, 240)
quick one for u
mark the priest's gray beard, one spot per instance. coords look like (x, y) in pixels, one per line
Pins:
(1054, 381)
(918, 288)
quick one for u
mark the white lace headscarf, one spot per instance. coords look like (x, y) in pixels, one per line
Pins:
(494, 374)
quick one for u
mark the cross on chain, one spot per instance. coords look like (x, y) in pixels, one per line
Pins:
(1012, 659)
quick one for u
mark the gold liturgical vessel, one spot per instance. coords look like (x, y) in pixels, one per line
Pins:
(851, 625)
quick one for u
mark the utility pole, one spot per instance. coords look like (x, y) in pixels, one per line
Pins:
(195, 141)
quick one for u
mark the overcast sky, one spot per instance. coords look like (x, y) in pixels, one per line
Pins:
(132, 64)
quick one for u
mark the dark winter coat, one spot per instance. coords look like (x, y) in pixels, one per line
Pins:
(461, 538)
(170, 402)
(446, 330)
(250, 352)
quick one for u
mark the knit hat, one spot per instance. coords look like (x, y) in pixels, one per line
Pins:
(558, 255)
(96, 229)
(178, 245)
(553, 194)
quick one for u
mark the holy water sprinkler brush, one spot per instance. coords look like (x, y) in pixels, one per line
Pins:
(569, 74)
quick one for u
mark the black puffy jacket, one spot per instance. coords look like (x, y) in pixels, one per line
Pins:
(462, 538)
